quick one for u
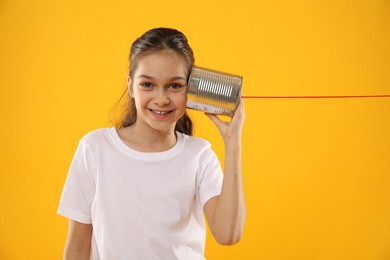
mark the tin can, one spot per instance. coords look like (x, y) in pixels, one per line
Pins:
(213, 91)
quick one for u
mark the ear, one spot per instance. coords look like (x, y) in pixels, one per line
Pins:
(129, 86)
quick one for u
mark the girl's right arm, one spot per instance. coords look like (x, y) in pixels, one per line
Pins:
(78, 244)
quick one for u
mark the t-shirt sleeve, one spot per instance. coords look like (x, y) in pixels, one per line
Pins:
(211, 177)
(79, 189)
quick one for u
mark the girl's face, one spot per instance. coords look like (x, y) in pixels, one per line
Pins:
(159, 89)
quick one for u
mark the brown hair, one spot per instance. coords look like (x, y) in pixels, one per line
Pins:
(151, 41)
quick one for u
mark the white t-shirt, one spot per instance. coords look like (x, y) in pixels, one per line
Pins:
(141, 205)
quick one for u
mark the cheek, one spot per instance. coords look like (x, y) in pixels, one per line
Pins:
(140, 101)
(182, 99)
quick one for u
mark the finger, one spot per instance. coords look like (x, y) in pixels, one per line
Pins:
(241, 108)
(216, 120)
(213, 118)
(239, 111)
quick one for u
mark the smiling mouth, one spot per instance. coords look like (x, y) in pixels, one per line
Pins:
(161, 113)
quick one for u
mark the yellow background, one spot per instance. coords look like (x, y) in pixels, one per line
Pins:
(316, 171)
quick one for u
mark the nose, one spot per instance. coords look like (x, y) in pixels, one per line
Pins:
(161, 97)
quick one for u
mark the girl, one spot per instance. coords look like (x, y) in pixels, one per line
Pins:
(139, 191)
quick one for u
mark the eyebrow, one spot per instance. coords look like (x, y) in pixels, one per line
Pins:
(173, 78)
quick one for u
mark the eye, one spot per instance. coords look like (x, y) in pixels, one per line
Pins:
(175, 86)
(146, 84)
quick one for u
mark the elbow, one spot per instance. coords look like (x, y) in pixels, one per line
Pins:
(228, 231)
(229, 238)
(229, 241)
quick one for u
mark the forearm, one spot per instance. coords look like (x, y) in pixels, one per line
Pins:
(76, 255)
(230, 211)
(226, 213)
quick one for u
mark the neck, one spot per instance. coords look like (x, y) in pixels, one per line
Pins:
(147, 140)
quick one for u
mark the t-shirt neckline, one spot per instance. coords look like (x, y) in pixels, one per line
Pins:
(148, 156)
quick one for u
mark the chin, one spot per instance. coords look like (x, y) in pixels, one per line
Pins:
(163, 129)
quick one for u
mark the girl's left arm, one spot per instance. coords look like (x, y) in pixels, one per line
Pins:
(226, 213)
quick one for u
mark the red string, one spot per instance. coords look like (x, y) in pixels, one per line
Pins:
(350, 96)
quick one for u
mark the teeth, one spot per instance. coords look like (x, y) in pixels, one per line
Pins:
(160, 112)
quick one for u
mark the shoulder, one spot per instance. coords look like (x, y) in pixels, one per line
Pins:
(200, 150)
(96, 136)
(195, 142)
(197, 146)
